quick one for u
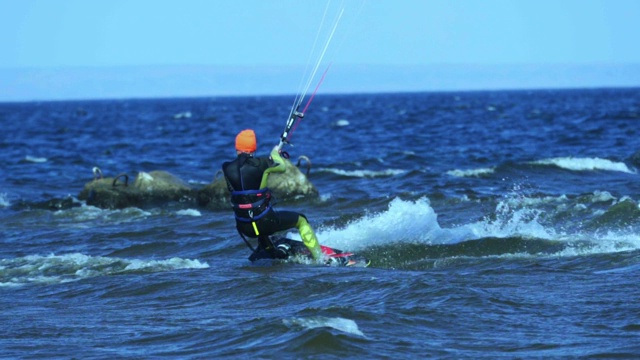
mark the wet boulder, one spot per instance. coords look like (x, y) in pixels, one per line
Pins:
(53, 204)
(148, 189)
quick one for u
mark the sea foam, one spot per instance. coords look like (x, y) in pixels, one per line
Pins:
(414, 222)
(189, 212)
(364, 173)
(34, 159)
(403, 221)
(4, 200)
(341, 324)
(585, 164)
(471, 172)
(52, 269)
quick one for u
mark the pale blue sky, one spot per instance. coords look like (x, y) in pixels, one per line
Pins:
(48, 39)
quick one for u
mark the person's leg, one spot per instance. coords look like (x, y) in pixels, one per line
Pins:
(309, 237)
(283, 220)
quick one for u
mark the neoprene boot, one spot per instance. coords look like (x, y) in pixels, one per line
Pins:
(309, 238)
(282, 251)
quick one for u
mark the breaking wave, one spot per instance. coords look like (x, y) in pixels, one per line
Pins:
(34, 159)
(53, 269)
(341, 324)
(585, 164)
(519, 226)
(471, 172)
(364, 173)
(4, 200)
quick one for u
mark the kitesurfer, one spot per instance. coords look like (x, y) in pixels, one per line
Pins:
(246, 178)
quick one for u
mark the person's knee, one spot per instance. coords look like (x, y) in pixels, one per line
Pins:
(302, 221)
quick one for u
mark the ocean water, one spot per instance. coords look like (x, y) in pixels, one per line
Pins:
(499, 225)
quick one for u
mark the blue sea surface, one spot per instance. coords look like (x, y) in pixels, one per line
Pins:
(499, 224)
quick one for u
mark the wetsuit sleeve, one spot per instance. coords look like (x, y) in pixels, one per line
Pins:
(278, 167)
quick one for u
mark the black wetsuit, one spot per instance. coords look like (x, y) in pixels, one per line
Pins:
(246, 179)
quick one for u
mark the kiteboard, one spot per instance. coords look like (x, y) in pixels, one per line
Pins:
(289, 249)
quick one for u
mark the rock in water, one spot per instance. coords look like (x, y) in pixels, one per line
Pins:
(148, 189)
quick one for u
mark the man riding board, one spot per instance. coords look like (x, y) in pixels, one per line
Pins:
(246, 178)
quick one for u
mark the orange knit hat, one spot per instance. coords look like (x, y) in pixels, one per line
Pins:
(246, 141)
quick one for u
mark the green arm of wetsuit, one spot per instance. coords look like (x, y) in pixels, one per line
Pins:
(279, 167)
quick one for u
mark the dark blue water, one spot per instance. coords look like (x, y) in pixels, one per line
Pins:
(499, 224)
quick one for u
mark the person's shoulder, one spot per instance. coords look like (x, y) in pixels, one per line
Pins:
(227, 163)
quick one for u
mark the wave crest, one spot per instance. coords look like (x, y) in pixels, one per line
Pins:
(53, 269)
(585, 164)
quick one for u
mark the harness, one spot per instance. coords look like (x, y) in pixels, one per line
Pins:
(254, 203)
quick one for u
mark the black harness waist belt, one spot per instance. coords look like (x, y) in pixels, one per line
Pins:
(251, 205)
